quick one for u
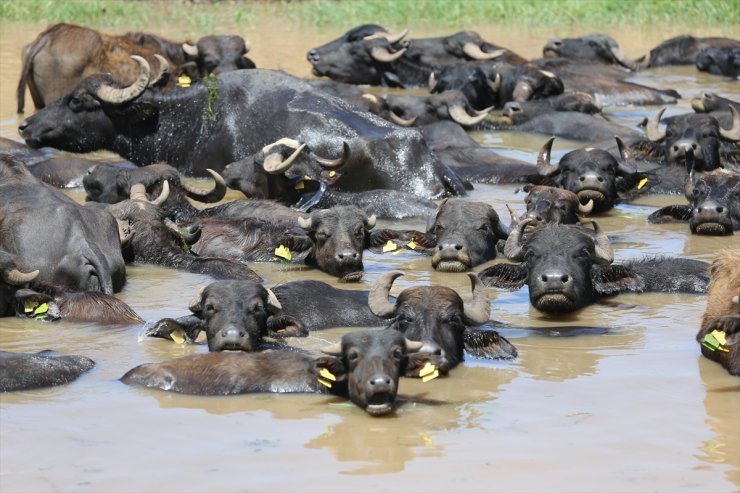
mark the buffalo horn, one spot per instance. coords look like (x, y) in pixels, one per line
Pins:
(413, 346)
(479, 311)
(191, 50)
(522, 91)
(433, 218)
(138, 193)
(371, 221)
(163, 68)
(378, 298)
(585, 209)
(458, 113)
(16, 277)
(621, 58)
(494, 84)
(217, 193)
(275, 165)
(381, 54)
(401, 121)
(652, 129)
(172, 226)
(114, 95)
(333, 163)
(124, 231)
(273, 304)
(432, 82)
(734, 132)
(603, 250)
(543, 159)
(196, 303)
(474, 51)
(304, 223)
(689, 181)
(626, 164)
(292, 143)
(512, 213)
(513, 248)
(333, 350)
(387, 36)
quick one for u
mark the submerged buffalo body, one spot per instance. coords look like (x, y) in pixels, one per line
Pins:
(197, 127)
(21, 371)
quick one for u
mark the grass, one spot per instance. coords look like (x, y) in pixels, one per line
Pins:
(205, 15)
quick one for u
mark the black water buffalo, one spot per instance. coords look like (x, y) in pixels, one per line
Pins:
(592, 174)
(552, 205)
(710, 102)
(70, 245)
(407, 110)
(462, 234)
(566, 269)
(712, 145)
(196, 127)
(681, 50)
(24, 371)
(64, 54)
(437, 316)
(594, 47)
(364, 366)
(723, 311)
(720, 60)
(714, 204)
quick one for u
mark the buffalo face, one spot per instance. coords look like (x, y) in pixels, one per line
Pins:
(715, 202)
(593, 47)
(553, 205)
(219, 54)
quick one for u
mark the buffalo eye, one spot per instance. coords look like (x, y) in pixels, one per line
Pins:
(669, 134)
(360, 232)
(209, 308)
(353, 355)
(583, 253)
(322, 235)
(397, 353)
(75, 104)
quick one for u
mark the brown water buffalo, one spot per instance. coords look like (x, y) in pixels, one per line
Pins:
(363, 366)
(64, 54)
(22, 371)
(723, 311)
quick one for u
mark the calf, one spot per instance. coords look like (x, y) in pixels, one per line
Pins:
(590, 48)
(552, 205)
(723, 311)
(364, 366)
(566, 269)
(23, 371)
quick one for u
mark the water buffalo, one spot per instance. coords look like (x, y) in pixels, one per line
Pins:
(462, 234)
(709, 102)
(364, 366)
(681, 50)
(592, 174)
(711, 144)
(24, 371)
(193, 128)
(720, 60)
(437, 316)
(70, 245)
(566, 269)
(552, 205)
(723, 311)
(714, 203)
(64, 54)
(595, 47)
(406, 110)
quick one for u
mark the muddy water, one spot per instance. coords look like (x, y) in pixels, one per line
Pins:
(633, 409)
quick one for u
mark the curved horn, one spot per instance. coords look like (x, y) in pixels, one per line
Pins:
(172, 226)
(603, 250)
(387, 36)
(627, 164)
(652, 129)
(138, 193)
(432, 82)
(292, 143)
(479, 311)
(17, 278)
(476, 53)
(413, 346)
(195, 303)
(371, 221)
(273, 304)
(642, 62)
(734, 132)
(333, 350)
(512, 213)
(587, 208)
(621, 58)
(522, 91)
(214, 195)
(163, 68)
(113, 95)
(275, 165)
(690, 180)
(378, 297)
(494, 84)
(381, 54)
(304, 223)
(543, 159)
(400, 121)
(514, 248)
(458, 113)
(162, 195)
(191, 50)
(124, 231)
(332, 163)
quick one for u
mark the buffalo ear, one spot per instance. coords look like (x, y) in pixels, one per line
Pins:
(280, 326)
(186, 328)
(333, 364)
(671, 214)
(377, 238)
(504, 276)
(613, 279)
(487, 344)
(27, 300)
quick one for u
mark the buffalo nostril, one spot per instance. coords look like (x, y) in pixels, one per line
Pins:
(341, 256)
(439, 247)
(354, 255)
(699, 209)
(557, 43)
(582, 178)
(437, 352)
(720, 209)
(675, 148)
(458, 247)
(544, 278)
(693, 146)
(564, 278)
(600, 179)
(538, 218)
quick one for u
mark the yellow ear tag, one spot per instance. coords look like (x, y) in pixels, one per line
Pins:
(720, 336)
(429, 372)
(642, 183)
(283, 252)
(715, 340)
(411, 245)
(299, 186)
(325, 383)
(178, 335)
(389, 247)
(29, 306)
(332, 173)
(183, 81)
(306, 177)
(327, 374)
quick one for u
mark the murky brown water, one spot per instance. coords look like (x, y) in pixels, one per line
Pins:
(636, 409)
